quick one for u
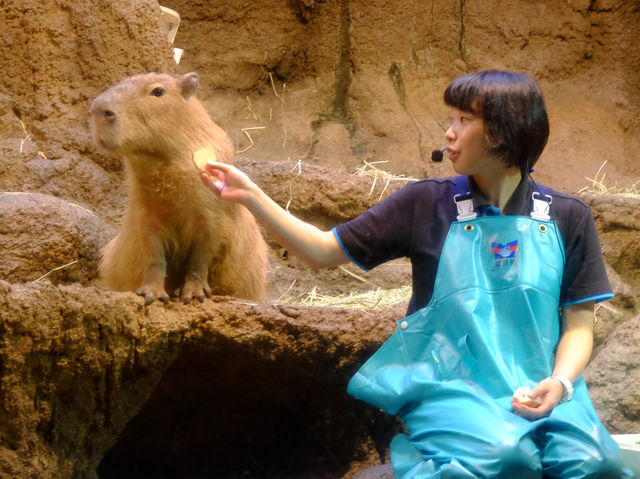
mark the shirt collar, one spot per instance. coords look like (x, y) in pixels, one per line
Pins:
(518, 204)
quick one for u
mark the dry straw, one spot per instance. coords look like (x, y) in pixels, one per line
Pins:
(598, 186)
(369, 169)
(246, 132)
(55, 269)
(375, 299)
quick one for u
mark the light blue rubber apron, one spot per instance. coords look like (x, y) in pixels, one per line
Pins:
(450, 369)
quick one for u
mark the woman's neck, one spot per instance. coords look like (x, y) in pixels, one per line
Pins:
(498, 186)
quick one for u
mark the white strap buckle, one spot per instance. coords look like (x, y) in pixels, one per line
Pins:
(465, 208)
(541, 207)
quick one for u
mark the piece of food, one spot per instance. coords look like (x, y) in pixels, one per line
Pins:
(522, 395)
(204, 156)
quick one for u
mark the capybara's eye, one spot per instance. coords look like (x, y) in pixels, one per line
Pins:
(158, 91)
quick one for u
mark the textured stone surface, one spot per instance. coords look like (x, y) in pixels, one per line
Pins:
(614, 379)
(40, 233)
(380, 68)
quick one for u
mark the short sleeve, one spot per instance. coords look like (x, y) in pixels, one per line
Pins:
(381, 233)
(585, 277)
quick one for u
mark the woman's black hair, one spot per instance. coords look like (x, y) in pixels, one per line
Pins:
(513, 110)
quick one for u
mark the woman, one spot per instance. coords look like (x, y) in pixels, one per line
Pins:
(495, 256)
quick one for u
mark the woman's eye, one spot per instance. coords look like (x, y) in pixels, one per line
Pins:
(158, 91)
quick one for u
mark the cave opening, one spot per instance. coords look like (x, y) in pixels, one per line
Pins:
(225, 411)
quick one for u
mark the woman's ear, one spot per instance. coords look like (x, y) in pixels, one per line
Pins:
(490, 141)
(495, 145)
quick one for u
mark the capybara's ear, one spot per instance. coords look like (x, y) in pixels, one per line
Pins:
(188, 83)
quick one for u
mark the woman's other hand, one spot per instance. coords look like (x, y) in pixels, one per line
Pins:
(545, 396)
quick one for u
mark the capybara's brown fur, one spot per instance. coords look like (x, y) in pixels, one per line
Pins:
(176, 235)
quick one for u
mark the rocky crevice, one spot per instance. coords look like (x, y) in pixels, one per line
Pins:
(395, 75)
(337, 110)
(462, 30)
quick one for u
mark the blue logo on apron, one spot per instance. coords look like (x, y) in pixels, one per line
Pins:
(501, 251)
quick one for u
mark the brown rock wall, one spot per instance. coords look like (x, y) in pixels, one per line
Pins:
(583, 53)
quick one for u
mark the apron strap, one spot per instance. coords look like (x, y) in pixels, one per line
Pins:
(463, 200)
(541, 202)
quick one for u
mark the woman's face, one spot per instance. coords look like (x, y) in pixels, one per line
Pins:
(467, 144)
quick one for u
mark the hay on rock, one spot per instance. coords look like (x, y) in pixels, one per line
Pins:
(598, 186)
(369, 169)
(375, 299)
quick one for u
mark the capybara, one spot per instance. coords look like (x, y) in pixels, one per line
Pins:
(176, 235)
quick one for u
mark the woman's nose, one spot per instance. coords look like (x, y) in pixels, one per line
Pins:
(450, 134)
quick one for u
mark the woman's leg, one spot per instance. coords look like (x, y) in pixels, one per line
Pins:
(462, 433)
(577, 445)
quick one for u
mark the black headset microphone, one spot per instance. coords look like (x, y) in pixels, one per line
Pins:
(437, 155)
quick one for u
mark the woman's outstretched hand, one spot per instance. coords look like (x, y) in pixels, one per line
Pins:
(545, 396)
(227, 182)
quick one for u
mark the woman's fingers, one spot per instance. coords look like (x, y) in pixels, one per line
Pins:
(211, 182)
(215, 166)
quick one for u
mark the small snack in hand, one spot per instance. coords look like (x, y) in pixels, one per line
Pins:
(204, 156)
(522, 395)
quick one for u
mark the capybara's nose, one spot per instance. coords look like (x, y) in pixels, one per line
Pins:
(99, 107)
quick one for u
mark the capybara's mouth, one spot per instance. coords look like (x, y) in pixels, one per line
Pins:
(105, 145)
(102, 144)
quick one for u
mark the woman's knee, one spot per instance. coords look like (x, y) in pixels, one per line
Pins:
(592, 463)
(520, 460)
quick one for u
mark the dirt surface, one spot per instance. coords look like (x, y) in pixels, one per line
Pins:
(313, 93)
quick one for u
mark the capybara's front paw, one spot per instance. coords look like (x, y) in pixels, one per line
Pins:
(152, 292)
(195, 287)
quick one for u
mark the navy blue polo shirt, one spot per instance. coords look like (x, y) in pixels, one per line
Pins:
(413, 222)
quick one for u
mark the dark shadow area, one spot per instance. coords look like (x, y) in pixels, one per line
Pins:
(224, 412)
